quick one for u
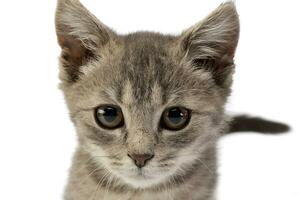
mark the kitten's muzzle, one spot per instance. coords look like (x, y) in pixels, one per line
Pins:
(140, 160)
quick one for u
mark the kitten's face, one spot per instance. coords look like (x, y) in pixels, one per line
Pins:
(143, 79)
(144, 94)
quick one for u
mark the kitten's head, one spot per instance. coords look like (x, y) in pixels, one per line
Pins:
(146, 105)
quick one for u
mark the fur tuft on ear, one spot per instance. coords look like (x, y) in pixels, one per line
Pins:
(211, 43)
(79, 34)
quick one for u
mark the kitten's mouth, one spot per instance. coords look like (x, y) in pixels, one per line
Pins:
(141, 178)
(139, 173)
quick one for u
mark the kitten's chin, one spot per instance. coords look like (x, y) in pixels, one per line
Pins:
(141, 179)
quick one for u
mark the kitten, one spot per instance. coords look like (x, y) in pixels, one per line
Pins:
(148, 108)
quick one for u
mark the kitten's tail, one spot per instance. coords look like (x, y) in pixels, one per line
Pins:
(244, 123)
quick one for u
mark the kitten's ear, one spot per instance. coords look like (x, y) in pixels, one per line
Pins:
(80, 34)
(211, 43)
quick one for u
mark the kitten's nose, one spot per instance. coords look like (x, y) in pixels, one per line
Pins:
(140, 160)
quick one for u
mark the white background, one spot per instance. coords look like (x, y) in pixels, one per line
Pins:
(37, 138)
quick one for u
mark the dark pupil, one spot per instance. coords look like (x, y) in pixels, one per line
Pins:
(110, 114)
(175, 116)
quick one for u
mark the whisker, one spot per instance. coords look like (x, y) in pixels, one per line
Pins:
(206, 166)
(85, 178)
(94, 195)
(103, 156)
(91, 159)
(84, 164)
(107, 186)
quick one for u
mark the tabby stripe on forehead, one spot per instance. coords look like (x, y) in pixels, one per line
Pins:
(127, 94)
(157, 95)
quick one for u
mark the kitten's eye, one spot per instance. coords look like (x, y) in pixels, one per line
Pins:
(109, 117)
(175, 118)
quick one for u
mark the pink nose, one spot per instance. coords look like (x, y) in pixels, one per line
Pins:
(140, 160)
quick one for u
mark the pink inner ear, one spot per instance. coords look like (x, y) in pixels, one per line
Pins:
(73, 50)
